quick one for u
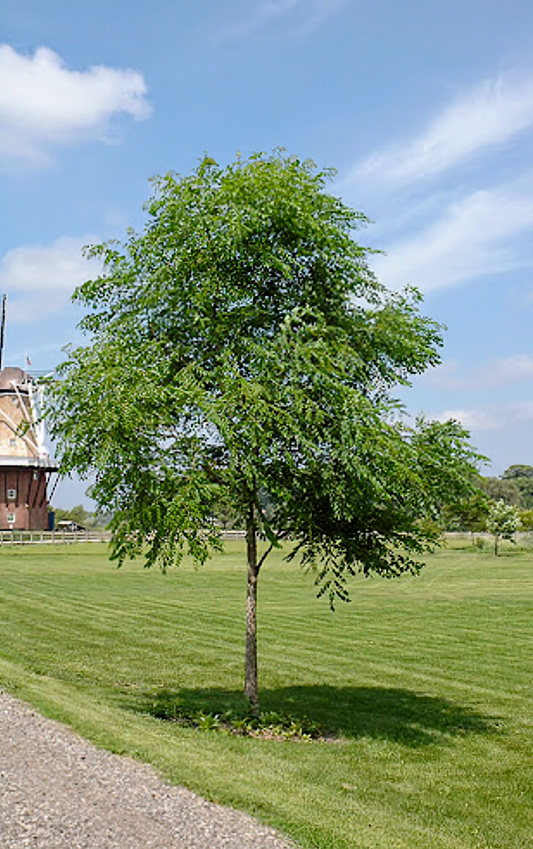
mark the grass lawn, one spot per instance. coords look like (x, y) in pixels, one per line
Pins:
(425, 684)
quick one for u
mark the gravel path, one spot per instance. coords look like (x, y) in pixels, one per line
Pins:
(57, 791)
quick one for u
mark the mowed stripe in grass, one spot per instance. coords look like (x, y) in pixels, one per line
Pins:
(423, 682)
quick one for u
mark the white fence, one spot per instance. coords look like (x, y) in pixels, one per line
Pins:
(63, 537)
(58, 537)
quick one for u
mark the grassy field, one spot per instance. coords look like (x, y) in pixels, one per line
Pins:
(424, 684)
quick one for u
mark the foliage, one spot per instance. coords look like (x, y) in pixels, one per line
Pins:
(242, 350)
(522, 477)
(514, 487)
(81, 516)
(225, 515)
(526, 520)
(518, 472)
(266, 725)
(469, 514)
(497, 489)
(503, 521)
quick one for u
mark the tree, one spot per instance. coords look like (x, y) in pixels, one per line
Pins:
(469, 514)
(497, 489)
(518, 471)
(503, 522)
(526, 520)
(241, 351)
(522, 477)
(81, 516)
(515, 486)
(76, 514)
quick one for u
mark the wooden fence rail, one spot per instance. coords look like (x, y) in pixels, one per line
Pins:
(62, 537)
(58, 537)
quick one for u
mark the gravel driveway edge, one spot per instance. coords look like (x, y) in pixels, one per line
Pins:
(58, 791)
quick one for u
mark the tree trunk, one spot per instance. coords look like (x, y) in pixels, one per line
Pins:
(251, 689)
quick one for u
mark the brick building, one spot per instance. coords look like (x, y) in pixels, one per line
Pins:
(25, 463)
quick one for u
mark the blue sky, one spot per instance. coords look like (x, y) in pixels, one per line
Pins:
(424, 108)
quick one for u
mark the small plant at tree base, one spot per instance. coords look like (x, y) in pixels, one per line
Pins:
(265, 725)
(208, 721)
(503, 522)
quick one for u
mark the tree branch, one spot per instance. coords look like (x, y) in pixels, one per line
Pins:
(279, 537)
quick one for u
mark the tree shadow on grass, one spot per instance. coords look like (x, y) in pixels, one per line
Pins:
(403, 716)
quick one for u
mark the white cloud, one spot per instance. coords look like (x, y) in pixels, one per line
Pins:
(446, 375)
(496, 374)
(510, 370)
(271, 11)
(40, 279)
(495, 417)
(491, 114)
(472, 419)
(472, 239)
(43, 103)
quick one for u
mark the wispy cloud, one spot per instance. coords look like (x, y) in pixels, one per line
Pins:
(473, 238)
(488, 115)
(270, 12)
(40, 279)
(472, 419)
(43, 103)
(497, 374)
(496, 417)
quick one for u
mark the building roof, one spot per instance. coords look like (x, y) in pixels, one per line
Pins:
(22, 434)
(10, 375)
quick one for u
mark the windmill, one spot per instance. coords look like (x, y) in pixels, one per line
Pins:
(25, 462)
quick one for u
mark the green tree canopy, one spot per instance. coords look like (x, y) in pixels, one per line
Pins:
(519, 471)
(515, 486)
(522, 477)
(241, 347)
(470, 514)
(81, 516)
(498, 489)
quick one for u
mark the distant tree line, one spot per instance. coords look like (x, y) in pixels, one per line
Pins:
(80, 516)
(513, 489)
